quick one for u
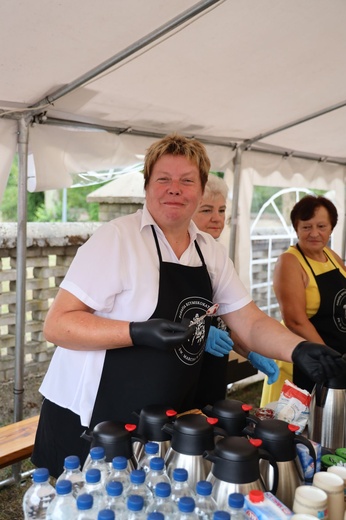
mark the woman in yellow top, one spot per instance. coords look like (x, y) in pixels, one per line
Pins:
(310, 284)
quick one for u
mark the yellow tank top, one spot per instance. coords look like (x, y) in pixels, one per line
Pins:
(312, 293)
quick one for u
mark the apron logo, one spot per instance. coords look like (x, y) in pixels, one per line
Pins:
(339, 310)
(188, 311)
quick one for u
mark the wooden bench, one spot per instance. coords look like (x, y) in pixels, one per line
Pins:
(17, 441)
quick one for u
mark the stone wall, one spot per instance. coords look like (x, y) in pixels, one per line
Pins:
(50, 250)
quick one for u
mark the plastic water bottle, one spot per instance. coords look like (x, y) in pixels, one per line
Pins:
(163, 502)
(186, 506)
(205, 503)
(39, 495)
(63, 506)
(180, 485)
(73, 473)
(115, 500)
(120, 472)
(85, 507)
(138, 486)
(135, 508)
(157, 473)
(236, 506)
(106, 514)
(97, 459)
(151, 449)
(94, 487)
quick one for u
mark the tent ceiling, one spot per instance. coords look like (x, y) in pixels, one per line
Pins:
(234, 72)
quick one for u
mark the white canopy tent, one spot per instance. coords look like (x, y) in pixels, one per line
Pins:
(88, 85)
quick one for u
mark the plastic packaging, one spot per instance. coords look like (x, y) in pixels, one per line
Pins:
(94, 487)
(265, 506)
(138, 486)
(186, 506)
(135, 508)
(236, 506)
(205, 505)
(85, 507)
(163, 502)
(97, 459)
(120, 472)
(180, 486)
(72, 471)
(39, 495)
(151, 449)
(63, 506)
(115, 500)
(157, 473)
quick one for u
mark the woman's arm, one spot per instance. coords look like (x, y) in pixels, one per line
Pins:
(289, 282)
(72, 324)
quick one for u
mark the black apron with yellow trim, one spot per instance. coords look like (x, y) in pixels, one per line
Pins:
(139, 376)
(330, 319)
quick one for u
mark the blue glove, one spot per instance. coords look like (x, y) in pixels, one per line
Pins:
(265, 365)
(218, 343)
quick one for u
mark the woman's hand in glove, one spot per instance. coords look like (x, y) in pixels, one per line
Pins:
(218, 343)
(159, 333)
(318, 362)
(265, 365)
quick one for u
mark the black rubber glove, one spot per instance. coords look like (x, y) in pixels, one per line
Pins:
(318, 362)
(159, 333)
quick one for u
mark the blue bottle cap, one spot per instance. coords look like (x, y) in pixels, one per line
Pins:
(180, 474)
(162, 489)
(114, 488)
(221, 515)
(106, 514)
(72, 462)
(236, 500)
(119, 462)
(93, 475)
(41, 475)
(151, 448)
(137, 476)
(84, 502)
(157, 463)
(63, 487)
(97, 453)
(135, 503)
(204, 488)
(186, 504)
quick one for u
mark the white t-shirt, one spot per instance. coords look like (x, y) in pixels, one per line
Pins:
(116, 272)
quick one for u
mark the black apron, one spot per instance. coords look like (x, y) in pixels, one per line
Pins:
(140, 376)
(212, 384)
(134, 377)
(330, 319)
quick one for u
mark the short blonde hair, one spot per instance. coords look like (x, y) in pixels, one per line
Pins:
(175, 144)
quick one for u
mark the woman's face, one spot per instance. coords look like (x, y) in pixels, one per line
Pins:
(173, 192)
(313, 234)
(210, 216)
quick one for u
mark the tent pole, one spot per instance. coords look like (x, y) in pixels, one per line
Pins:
(23, 137)
(235, 202)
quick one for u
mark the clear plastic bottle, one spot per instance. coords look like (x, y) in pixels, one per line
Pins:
(135, 508)
(186, 506)
(97, 459)
(163, 502)
(180, 485)
(205, 503)
(120, 472)
(138, 486)
(115, 500)
(151, 449)
(94, 487)
(236, 506)
(85, 507)
(39, 495)
(157, 473)
(106, 514)
(63, 506)
(73, 472)
(221, 515)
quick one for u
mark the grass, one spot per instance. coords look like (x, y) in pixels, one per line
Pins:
(11, 496)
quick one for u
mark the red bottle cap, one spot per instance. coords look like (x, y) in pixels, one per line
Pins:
(255, 496)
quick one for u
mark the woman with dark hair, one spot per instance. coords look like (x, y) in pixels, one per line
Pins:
(310, 283)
